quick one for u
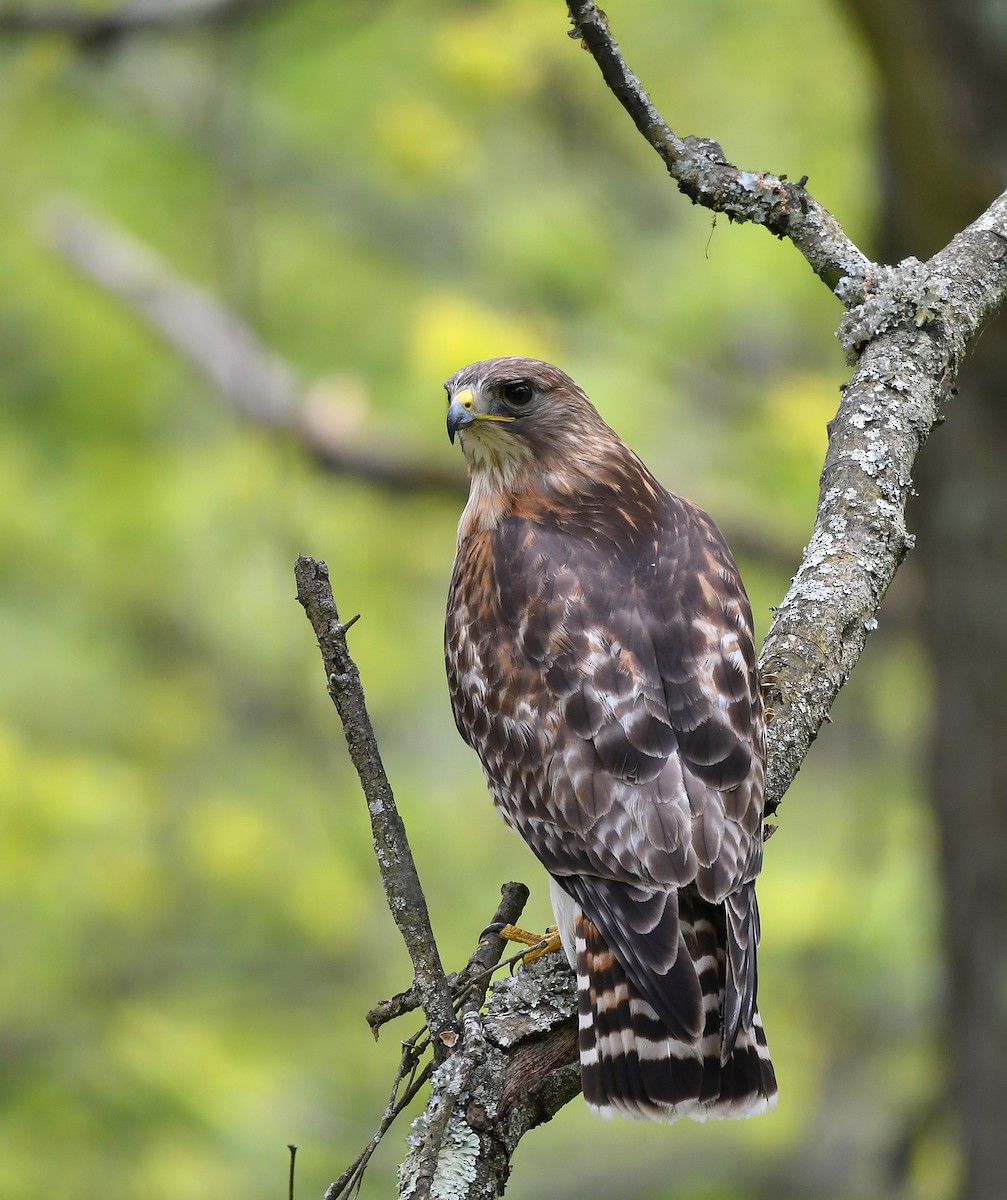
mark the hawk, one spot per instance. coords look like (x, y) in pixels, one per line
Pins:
(601, 663)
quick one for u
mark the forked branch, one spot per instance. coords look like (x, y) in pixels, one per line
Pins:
(907, 329)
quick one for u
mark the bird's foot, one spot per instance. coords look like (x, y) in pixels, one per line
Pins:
(539, 943)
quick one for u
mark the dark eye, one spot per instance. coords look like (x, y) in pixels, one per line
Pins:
(517, 393)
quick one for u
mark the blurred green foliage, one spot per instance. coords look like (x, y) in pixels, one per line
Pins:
(193, 924)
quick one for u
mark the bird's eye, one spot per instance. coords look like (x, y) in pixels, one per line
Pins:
(517, 393)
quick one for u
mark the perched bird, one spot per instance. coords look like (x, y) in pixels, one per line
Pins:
(601, 663)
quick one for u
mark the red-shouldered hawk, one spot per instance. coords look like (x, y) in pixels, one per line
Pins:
(601, 663)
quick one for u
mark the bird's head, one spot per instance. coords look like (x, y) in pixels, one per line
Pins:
(533, 441)
(512, 410)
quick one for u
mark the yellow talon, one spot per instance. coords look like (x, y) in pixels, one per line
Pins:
(540, 943)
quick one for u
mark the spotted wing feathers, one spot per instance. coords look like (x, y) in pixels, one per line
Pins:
(602, 663)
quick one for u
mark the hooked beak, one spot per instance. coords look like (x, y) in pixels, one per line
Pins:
(460, 414)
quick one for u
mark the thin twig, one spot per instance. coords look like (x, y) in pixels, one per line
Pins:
(395, 860)
(395, 1006)
(477, 971)
(351, 1178)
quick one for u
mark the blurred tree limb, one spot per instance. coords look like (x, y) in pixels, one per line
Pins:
(90, 28)
(263, 388)
(906, 331)
(256, 383)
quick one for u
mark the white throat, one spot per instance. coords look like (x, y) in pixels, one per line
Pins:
(496, 461)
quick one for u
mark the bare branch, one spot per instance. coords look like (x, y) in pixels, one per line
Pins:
(91, 28)
(395, 860)
(516, 1074)
(701, 171)
(256, 383)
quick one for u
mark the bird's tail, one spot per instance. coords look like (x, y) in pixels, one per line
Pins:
(632, 1065)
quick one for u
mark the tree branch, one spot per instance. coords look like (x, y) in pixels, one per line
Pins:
(395, 860)
(699, 168)
(515, 1069)
(908, 329)
(494, 1082)
(256, 383)
(96, 28)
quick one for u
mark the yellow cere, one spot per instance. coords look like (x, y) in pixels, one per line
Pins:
(466, 398)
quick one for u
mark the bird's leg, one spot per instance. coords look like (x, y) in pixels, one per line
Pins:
(540, 943)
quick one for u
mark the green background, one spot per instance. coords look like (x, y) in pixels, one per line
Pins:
(193, 925)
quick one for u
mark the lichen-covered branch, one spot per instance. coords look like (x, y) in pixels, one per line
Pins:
(907, 330)
(702, 172)
(515, 1068)
(468, 990)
